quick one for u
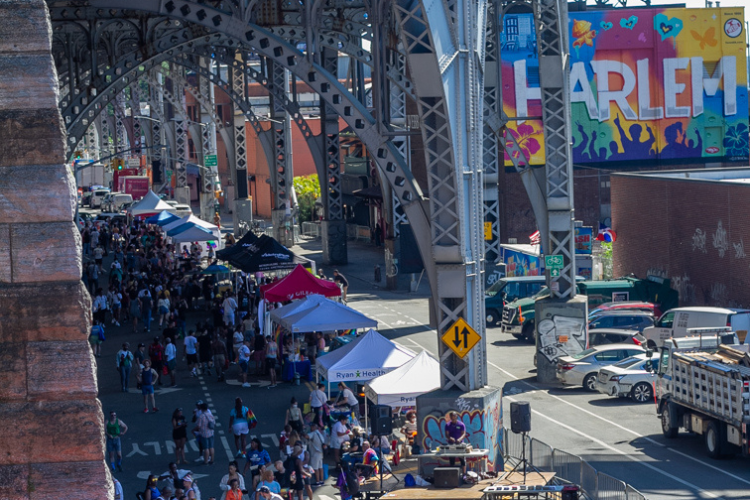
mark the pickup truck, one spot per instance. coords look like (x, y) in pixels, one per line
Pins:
(703, 386)
(518, 316)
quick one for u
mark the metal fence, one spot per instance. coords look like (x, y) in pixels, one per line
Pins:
(568, 468)
(310, 230)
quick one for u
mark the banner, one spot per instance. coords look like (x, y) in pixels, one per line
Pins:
(653, 86)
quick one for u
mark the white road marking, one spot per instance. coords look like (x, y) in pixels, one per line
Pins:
(136, 449)
(227, 448)
(156, 445)
(540, 390)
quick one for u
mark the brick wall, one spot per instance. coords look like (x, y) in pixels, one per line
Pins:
(696, 233)
(52, 437)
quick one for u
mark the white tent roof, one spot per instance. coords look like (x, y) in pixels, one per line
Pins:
(325, 316)
(149, 204)
(194, 233)
(296, 307)
(402, 386)
(190, 219)
(365, 358)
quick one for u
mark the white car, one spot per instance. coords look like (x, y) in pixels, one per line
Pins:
(97, 197)
(628, 377)
(582, 368)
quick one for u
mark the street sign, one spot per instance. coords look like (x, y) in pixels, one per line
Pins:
(553, 262)
(134, 162)
(461, 338)
(488, 231)
(210, 161)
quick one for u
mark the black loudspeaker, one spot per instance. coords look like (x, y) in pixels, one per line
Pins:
(447, 477)
(382, 423)
(520, 417)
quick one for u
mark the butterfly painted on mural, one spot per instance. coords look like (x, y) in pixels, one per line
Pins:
(629, 23)
(708, 38)
(605, 25)
(583, 33)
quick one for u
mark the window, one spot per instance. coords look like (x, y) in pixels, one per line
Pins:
(623, 321)
(610, 356)
(513, 290)
(534, 288)
(666, 320)
(664, 361)
(605, 322)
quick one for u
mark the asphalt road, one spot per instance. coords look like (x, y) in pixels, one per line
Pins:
(616, 436)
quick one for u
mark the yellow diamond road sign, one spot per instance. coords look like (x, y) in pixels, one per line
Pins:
(460, 337)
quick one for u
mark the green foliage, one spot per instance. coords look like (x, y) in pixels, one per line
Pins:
(307, 189)
(607, 267)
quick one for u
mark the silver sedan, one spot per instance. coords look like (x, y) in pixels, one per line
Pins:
(582, 368)
(628, 377)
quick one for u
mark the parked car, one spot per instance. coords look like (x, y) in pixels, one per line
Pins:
(111, 217)
(582, 368)
(679, 321)
(604, 336)
(181, 210)
(114, 202)
(629, 305)
(627, 378)
(97, 197)
(630, 320)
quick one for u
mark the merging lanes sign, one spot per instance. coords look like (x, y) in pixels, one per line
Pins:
(461, 338)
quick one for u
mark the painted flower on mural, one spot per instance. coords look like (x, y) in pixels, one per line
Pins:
(736, 140)
(529, 145)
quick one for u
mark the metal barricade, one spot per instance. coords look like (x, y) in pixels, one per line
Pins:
(588, 479)
(567, 466)
(514, 445)
(311, 229)
(609, 488)
(541, 455)
(633, 494)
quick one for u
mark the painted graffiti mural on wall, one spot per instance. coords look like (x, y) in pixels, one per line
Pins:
(483, 427)
(649, 85)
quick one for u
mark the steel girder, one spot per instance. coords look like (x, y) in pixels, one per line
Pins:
(446, 58)
(281, 131)
(354, 113)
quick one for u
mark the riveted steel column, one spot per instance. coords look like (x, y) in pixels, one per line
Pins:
(282, 170)
(240, 137)
(334, 223)
(492, 156)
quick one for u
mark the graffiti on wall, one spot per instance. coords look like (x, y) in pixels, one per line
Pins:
(699, 241)
(561, 336)
(483, 429)
(721, 243)
(660, 84)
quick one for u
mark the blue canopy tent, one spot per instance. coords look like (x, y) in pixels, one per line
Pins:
(162, 219)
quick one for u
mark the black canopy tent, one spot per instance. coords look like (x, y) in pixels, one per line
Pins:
(248, 239)
(264, 254)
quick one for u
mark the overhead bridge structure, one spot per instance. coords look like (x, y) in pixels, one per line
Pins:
(115, 75)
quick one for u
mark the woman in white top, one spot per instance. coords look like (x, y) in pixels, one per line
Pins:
(163, 307)
(317, 399)
(234, 473)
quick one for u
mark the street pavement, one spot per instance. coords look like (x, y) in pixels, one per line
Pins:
(616, 436)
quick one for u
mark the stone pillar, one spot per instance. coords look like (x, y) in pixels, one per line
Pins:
(560, 331)
(53, 440)
(481, 410)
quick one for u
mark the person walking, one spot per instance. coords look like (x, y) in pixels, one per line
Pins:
(316, 443)
(135, 309)
(156, 353)
(144, 296)
(239, 422)
(100, 306)
(162, 307)
(170, 354)
(230, 307)
(147, 378)
(317, 400)
(294, 416)
(205, 426)
(219, 350)
(341, 281)
(191, 352)
(179, 435)
(272, 355)
(257, 459)
(115, 429)
(232, 475)
(124, 362)
(244, 362)
(96, 337)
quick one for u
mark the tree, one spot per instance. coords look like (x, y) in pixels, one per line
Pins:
(607, 267)
(307, 189)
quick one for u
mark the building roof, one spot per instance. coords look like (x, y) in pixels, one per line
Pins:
(739, 175)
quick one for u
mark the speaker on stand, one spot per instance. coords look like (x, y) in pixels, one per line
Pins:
(381, 420)
(520, 423)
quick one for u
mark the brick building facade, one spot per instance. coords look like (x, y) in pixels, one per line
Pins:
(688, 225)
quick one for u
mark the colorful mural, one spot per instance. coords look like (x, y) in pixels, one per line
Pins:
(653, 85)
(521, 264)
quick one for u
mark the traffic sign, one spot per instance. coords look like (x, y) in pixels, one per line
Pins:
(553, 262)
(488, 231)
(210, 161)
(134, 162)
(461, 338)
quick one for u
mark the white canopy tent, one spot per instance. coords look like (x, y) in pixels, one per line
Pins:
(148, 205)
(193, 221)
(402, 386)
(322, 315)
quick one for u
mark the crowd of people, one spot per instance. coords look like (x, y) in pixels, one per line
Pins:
(153, 285)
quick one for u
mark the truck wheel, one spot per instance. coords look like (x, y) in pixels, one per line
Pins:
(668, 428)
(528, 332)
(492, 317)
(714, 439)
(589, 382)
(642, 393)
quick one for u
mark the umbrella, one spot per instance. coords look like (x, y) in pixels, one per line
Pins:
(215, 269)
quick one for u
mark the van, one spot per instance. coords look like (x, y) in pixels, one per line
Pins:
(181, 210)
(507, 290)
(117, 200)
(97, 197)
(676, 323)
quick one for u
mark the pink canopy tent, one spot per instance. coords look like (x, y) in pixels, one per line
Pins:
(299, 284)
